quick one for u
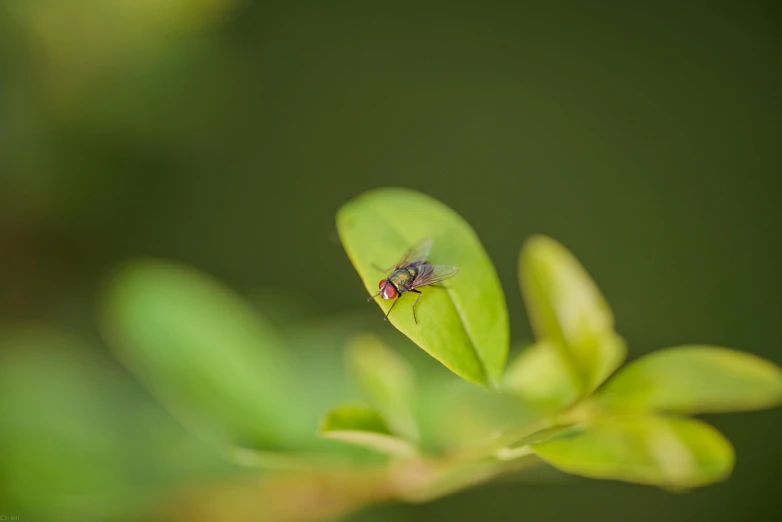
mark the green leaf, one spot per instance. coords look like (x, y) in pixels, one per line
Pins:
(464, 322)
(203, 352)
(669, 452)
(693, 379)
(364, 427)
(567, 309)
(387, 381)
(539, 375)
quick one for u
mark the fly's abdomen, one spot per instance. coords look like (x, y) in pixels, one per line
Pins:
(403, 277)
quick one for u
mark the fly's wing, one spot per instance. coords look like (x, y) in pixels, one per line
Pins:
(431, 274)
(417, 253)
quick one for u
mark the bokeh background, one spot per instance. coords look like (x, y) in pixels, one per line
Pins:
(226, 133)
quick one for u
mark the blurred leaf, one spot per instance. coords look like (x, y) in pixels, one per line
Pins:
(388, 382)
(464, 323)
(456, 417)
(566, 308)
(364, 427)
(693, 379)
(539, 375)
(354, 418)
(317, 349)
(203, 352)
(670, 452)
(79, 440)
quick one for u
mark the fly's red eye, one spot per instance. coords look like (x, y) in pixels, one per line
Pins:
(380, 285)
(389, 292)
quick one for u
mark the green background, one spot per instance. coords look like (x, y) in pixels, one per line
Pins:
(645, 138)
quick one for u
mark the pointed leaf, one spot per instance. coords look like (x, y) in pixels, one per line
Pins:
(464, 322)
(567, 309)
(364, 427)
(203, 352)
(387, 381)
(694, 379)
(669, 452)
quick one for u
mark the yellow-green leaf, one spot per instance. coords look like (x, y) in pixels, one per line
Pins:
(567, 309)
(540, 376)
(387, 381)
(693, 379)
(364, 427)
(464, 322)
(673, 453)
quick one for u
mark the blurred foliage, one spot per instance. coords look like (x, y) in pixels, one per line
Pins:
(392, 391)
(80, 439)
(222, 133)
(225, 373)
(364, 427)
(204, 353)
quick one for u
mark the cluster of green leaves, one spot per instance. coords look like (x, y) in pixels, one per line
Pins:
(629, 428)
(225, 372)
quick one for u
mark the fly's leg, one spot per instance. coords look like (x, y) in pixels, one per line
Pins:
(387, 270)
(373, 296)
(416, 302)
(392, 307)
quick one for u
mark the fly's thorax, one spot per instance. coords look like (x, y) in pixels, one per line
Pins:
(403, 277)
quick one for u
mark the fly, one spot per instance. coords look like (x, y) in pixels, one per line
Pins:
(411, 273)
